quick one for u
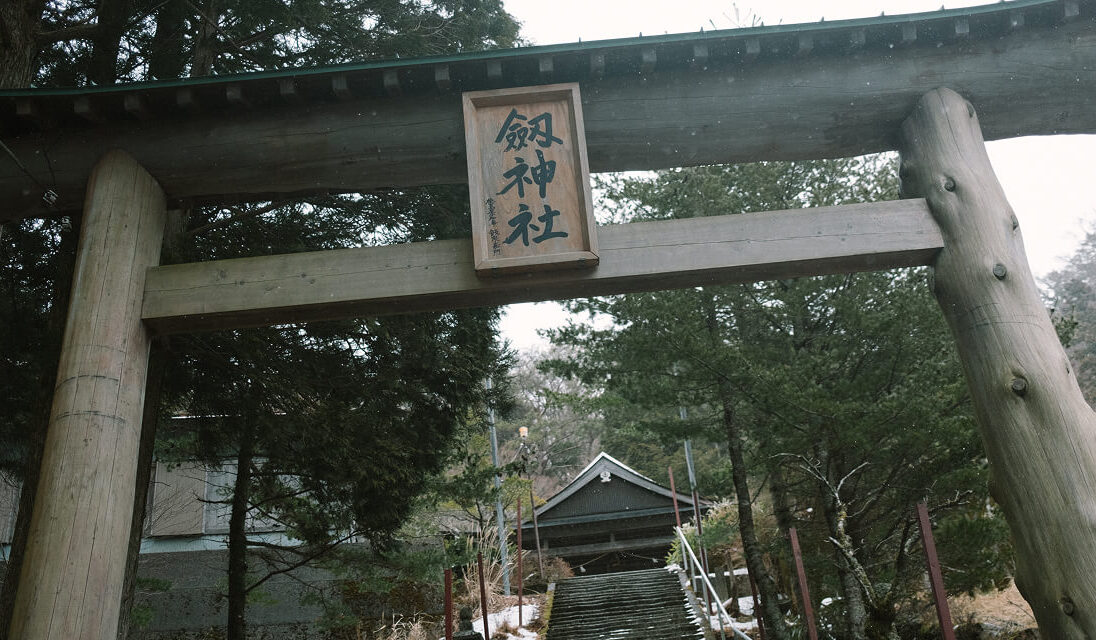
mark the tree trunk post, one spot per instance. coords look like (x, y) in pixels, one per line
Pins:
(1039, 434)
(236, 626)
(483, 596)
(756, 606)
(936, 576)
(804, 590)
(673, 493)
(73, 570)
(448, 579)
(521, 581)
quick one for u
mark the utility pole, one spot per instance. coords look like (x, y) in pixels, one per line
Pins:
(525, 451)
(696, 495)
(490, 384)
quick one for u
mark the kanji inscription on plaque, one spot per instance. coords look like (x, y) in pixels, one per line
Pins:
(529, 179)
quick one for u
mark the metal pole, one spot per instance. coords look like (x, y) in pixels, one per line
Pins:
(520, 576)
(688, 453)
(448, 604)
(699, 528)
(685, 558)
(700, 542)
(483, 596)
(703, 559)
(536, 532)
(939, 596)
(804, 592)
(499, 514)
(673, 491)
(696, 498)
(720, 610)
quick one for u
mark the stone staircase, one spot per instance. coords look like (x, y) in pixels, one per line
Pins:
(631, 605)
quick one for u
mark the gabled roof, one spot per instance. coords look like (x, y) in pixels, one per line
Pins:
(605, 463)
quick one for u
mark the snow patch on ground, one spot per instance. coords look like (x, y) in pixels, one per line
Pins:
(508, 618)
(745, 606)
(741, 626)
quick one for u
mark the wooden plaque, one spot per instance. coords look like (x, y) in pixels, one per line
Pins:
(529, 180)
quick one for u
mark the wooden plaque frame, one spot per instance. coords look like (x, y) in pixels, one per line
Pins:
(486, 164)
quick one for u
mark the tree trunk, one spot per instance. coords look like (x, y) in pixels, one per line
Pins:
(751, 549)
(205, 45)
(881, 618)
(778, 489)
(43, 403)
(856, 612)
(111, 17)
(19, 24)
(851, 590)
(1039, 434)
(167, 59)
(237, 534)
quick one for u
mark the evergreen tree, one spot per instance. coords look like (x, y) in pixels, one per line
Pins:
(339, 371)
(843, 391)
(1072, 298)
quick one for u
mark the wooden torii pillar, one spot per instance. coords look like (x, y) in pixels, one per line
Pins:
(71, 581)
(1039, 433)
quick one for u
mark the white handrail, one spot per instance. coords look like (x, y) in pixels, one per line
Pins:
(709, 589)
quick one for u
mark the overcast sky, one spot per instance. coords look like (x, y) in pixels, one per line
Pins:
(1047, 179)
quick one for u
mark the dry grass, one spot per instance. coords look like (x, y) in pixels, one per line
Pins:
(416, 628)
(502, 632)
(470, 588)
(1006, 610)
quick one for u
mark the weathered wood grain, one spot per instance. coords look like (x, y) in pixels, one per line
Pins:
(634, 257)
(1039, 433)
(496, 199)
(1034, 81)
(71, 581)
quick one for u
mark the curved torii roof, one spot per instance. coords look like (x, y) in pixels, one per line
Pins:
(783, 92)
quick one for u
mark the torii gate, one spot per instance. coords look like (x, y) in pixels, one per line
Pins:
(786, 92)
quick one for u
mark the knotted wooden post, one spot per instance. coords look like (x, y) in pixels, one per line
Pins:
(71, 582)
(1039, 434)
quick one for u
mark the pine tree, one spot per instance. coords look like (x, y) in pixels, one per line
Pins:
(843, 391)
(439, 358)
(1072, 298)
